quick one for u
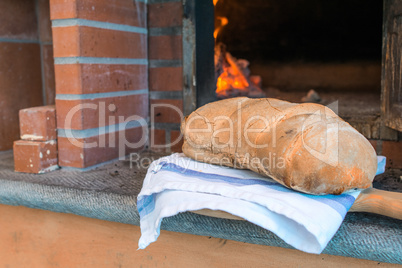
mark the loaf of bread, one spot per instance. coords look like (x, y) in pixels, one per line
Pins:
(305, 147)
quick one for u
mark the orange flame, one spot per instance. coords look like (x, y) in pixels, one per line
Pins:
(222, 22)
(234, 79)
(219, 23)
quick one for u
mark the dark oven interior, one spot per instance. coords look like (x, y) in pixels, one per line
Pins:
(332, 47)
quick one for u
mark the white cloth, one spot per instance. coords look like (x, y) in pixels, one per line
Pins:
(177, 184)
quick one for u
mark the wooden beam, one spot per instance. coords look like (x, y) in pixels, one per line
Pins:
(38, 238)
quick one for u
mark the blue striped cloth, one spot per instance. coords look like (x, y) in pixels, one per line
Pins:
(177, 184)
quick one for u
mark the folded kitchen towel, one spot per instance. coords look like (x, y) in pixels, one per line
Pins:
(177, 184)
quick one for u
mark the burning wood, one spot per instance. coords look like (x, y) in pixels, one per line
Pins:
(234, 76)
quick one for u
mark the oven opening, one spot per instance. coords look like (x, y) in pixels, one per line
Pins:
(301, 51)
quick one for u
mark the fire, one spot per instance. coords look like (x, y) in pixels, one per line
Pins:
(222, 22)
(233, 75)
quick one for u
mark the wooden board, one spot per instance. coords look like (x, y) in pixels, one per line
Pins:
(391, 109)
(38, 238)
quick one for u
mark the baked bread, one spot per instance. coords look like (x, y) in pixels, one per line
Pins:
(305, 147)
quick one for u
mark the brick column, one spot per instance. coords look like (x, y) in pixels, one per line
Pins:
(100, 50)
(165, 73)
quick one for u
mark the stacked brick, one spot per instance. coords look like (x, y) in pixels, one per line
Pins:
(165, 20)
(36, 152)
(101, 67)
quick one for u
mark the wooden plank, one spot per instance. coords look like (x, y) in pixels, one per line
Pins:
(391, 109)
(38, 238)
(189, 58)
(199, 82)
(379, 202)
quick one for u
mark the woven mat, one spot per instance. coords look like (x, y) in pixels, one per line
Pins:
(122, 177)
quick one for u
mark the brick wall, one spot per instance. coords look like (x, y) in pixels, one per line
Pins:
(26, 65)
(100, 50)
(165, 73)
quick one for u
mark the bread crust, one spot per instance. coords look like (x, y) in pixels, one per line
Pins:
(305, 147)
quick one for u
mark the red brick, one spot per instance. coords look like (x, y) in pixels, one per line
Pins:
(76, 41)
(35, 156)
(91, 117)
(62, 9)
(393, 151)
(114, 44)
(176, 139)
(18, 19)
(163, 111)
(107, 78)
(66, 41)
(165, 14)
(98, 78)
(48, 69)
(38, 123)
(166, 79)
(45, 25)
(165, 47)
(20, 87)
(125, 12)
(72, 154)
(69, 154)
(157, 140)
(68, 78)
